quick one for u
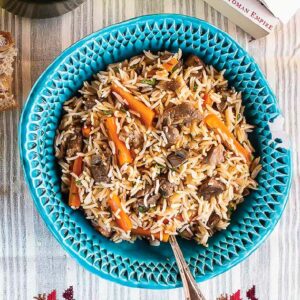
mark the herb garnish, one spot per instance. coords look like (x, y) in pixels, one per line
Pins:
(151, 81)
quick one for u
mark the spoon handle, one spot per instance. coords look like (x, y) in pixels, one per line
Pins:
(191, 289)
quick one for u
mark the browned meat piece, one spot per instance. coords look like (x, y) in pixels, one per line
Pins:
(74, 143)
(215, 155)
(172, 134)
(194, 61)
(171, 85)
(211, 188)
(177, 158)
(178, 65)
(152, 72)
(246, 192)
(148, 61)
(213, 220)
(186, 234)
(182, 113)
(90, 103)
(100, 168)
(88, 122)
(138, 69)
(136, 139)
(166, 188)
(221, 88)
(77, 123)
(152, 201)
(147, 190)
(221, 106)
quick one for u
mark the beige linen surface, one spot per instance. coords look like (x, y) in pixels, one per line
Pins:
(31, 261)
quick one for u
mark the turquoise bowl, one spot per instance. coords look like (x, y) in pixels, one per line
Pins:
(138, 264)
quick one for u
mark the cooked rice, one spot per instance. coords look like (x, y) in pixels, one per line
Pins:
(186, 212)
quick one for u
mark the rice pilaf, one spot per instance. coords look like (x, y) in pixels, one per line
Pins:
(155, 146)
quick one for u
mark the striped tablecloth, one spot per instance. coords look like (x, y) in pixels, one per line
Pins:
(32, 262)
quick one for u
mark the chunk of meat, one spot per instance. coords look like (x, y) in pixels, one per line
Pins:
(74, 143)
(138, 69)
(148, 61)
(172, 134)
(136, 139)
(182, 113)
(246, 192)
(151, 200)
(100, 168)
(152, 72)
(213, 220)
(77, 123)
(166, 188)
(221, 88)
(171, 85)
(194, 61)
(186, 234)
(90, 103)
(177, 158)
(147, 190)
(215, 155)
(211, 188)
(221, 106)
(178, 65)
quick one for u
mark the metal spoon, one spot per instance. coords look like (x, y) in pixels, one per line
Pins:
(191, 290)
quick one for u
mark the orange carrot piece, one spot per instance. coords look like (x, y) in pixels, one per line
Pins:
(169, 65)
(146, 232)
(86, 131)
(145, 112)
(123, 154)
(74, 199)
(123, 221)
(214, 123)
(132, 153)
(207, 100)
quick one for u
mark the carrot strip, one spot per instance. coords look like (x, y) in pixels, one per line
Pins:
(74, 199)
(123, 221)
(123, 154)
(169, 65)
(86, 131)
(145, 112)
(146, 232)
(207, 100)
(214, 123)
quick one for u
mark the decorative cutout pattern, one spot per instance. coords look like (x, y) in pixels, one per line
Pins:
(139, 264)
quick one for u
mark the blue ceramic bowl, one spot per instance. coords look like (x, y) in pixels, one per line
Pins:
(139, 264)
